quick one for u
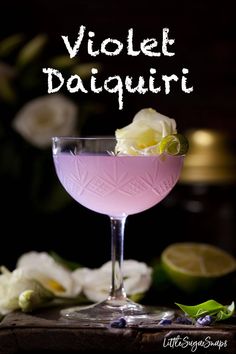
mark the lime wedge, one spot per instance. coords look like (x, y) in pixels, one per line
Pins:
(174, 144)
(192, 266)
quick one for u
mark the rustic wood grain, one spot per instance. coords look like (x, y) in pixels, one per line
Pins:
(45, 332)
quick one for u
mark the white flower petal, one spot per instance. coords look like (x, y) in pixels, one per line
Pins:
(12, 285)
(44, 117)
(79, 277)
(96, 283)
(48, 272)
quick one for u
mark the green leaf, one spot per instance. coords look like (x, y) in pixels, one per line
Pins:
(210, 307)
(7, 93)
(62, 62)
(9, 44)
(226, 313)
(31, 50)
(64, 262)
(136, 297)
(205, 308)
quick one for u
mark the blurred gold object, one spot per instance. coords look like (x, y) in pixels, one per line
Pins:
(210, 159)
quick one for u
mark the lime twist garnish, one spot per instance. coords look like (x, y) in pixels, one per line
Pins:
(174, 144)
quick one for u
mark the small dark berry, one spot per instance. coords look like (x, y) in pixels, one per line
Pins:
(118, 323)
(165, 322)
(204, 321)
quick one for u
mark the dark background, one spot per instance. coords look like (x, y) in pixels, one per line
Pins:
(204, 35)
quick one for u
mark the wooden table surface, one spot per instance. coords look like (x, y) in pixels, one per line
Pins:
(44, 332)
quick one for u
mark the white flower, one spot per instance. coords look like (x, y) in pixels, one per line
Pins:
(44, 117)
(53, 276)
(39, 279)
(144, 134)
(12, 287)
(96, 282)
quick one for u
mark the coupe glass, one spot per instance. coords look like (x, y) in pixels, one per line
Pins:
(117, 186)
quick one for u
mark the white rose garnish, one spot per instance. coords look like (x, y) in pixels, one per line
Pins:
(96, 282)
(44, 117)
(143, 135)
(53, 276)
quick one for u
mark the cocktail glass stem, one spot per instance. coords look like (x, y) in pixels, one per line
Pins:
(117, 291)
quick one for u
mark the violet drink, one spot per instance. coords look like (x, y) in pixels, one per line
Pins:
(118, 185)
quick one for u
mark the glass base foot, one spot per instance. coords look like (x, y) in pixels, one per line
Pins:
(103, 313)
